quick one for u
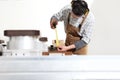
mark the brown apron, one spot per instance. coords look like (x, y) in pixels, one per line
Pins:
(72, 36)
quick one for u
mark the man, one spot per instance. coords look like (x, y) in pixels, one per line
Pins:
(78, 23)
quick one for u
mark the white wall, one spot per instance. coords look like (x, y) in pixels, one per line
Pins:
(29, 14)
(106, 39)
(35, 14)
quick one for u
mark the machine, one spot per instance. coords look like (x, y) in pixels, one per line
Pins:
(22, 43)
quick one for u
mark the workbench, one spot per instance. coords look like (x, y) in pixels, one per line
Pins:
(60, 68)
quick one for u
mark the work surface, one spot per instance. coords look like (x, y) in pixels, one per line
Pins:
(60, 68)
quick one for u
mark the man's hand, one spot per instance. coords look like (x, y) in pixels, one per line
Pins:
(53, 23)
(65, 48)
(62, 48)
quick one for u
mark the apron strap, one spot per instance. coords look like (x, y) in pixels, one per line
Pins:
(83, 20)
(69, 17)
(80, 25)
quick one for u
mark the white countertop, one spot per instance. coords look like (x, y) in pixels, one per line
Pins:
(60, 66)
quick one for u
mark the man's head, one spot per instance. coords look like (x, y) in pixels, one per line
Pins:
(79, 7)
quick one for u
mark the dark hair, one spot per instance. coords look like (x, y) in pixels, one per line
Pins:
(79, 7)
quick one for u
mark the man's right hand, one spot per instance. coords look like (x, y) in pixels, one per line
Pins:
(53, 23)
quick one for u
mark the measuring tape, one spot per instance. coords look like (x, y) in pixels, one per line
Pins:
(57, 42)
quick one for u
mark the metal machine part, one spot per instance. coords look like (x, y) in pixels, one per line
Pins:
(22, 43)
(52, 48)
(21, 33)
(21, 39)
(1, 41)
(1, 47)
(22, 53)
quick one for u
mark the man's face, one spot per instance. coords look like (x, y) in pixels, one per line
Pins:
(74, 16)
